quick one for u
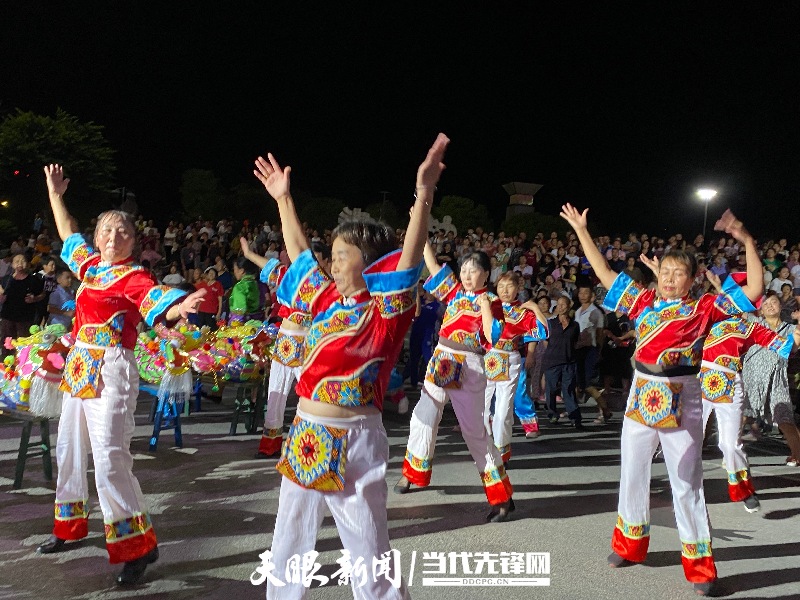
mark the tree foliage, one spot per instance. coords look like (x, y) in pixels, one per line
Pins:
(388, 213)
(202, 194)
(533, 223)
(250, 201)
(465, 213)
(320, 213)
(29, 141)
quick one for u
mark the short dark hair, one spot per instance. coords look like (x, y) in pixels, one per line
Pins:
(322, 249)
(246, 266)
(688, 260)
(374, 239)
(512, 276)
(479, 257)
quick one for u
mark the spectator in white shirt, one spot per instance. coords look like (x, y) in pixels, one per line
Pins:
(780, 280)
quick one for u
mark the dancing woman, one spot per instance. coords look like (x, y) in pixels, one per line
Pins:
(336, 450)
(524, 323)
(287, 358)
(665, 401)
(101, 383)
(472, 323)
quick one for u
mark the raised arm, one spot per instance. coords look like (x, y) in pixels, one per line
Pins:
(430, 259)
(253, 257)
(754, 288)
(714, 279)
(532, 306)
(577, 221)
(276, 181)
(417, 232)
(56, 187)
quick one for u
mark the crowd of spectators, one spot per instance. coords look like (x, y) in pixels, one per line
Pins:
(202, 253)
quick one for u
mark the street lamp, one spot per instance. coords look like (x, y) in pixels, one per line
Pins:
(706, 195)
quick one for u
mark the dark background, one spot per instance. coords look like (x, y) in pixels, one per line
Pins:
(622, 108)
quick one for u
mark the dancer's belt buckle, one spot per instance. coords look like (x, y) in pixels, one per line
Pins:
(656, 403)
(314, 456)
(444, 369)
(82, 372)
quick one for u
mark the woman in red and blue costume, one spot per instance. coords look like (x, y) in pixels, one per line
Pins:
(472, 324)
(723, 391)
(665, 403)
(336, 451)
(524, 323)
(287, 356)
(101, 383)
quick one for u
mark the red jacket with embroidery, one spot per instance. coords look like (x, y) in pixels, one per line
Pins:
(352, 343)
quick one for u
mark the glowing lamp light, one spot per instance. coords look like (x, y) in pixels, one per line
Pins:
(706, 194)
(4, 203)
(16, 171)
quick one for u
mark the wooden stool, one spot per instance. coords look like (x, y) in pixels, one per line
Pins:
(31, 450)
(245, 406)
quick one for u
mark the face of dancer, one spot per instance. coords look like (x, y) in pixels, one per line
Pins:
(674, 279)
(507, 290)
(473, 277)
(114, 239)
(771, 307)
(346, 267)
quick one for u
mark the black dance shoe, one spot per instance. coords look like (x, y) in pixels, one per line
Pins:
(54, 544)
(402, 488)
(134, 569)
(707, 588)
(501, 512)
(615, 561)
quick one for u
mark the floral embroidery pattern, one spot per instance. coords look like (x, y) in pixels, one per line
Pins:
(314, 456)
(631, 530)
(136, 525)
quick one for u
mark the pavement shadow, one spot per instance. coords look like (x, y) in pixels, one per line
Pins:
(756, 580)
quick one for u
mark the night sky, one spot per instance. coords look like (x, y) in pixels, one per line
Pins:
(622, 109)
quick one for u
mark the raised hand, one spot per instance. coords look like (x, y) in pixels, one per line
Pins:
(274, 178)
(56, 184)
(191, 302)
(484, 302)
(733, 226)
(715, 280)
(651, 263)
(244, 245)
(431, 168)
(575, 218)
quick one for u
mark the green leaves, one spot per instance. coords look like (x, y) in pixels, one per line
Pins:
(29, 141)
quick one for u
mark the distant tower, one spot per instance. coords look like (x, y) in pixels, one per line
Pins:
(520, 198)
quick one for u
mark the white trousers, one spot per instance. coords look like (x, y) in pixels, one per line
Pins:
(682, 448)
(502, 422)
(280, 383)
(359, 512)
(468, 405)
(729, 424)
(105, 425)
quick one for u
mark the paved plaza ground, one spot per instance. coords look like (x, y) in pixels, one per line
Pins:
(214, 508)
